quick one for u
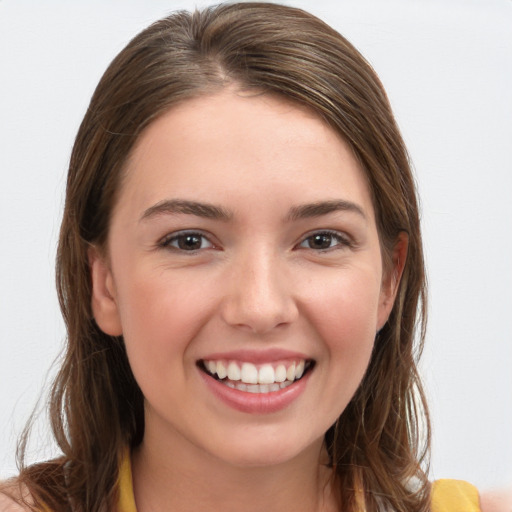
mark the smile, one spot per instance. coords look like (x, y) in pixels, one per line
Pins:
(251, 378)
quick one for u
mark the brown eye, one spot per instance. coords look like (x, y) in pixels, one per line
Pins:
(323, 241)
(187, 242)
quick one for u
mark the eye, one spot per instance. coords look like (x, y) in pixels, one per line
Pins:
(324, 240)
(186, 241)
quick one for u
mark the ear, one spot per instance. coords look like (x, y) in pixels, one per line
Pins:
(391, 279)
(103, 300)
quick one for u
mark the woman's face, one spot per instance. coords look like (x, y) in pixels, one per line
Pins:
(243, 253)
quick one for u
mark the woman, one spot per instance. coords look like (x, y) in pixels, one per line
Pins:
(240, 270)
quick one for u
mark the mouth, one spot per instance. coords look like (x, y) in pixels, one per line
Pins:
(256, 378)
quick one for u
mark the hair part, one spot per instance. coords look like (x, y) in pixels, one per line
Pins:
(379, 443)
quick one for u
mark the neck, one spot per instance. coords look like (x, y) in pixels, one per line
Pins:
(174, 475)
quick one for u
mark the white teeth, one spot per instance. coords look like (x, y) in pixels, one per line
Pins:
(249, 373)
(233, 371)
(299, 370)
(249, 378)
(290, 373)
(212, 366)
(257, 388)
(280, 373)
(266, 374)
(221, 370)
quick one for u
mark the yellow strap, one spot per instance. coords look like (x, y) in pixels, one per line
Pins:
(454, 496)
(126, 498)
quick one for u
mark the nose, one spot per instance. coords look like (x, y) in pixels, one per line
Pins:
(259, 294)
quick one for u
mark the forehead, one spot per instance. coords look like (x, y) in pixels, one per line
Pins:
(236, 143)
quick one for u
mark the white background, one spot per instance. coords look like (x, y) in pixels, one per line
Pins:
(447, 66)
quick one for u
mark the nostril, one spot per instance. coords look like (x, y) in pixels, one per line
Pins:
(257, 318)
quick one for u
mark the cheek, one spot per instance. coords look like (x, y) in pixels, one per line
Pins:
(344, 315)
(345, 308)
(159, 317)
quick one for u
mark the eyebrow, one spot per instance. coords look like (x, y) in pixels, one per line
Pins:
(211, 211)
(177, 206)
(320, 208)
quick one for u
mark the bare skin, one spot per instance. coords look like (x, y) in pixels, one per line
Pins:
(499, 500)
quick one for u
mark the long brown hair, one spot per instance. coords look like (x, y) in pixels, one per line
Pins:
(380, 441)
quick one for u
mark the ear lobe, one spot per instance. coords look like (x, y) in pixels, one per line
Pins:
(391, 279)
(103, 300)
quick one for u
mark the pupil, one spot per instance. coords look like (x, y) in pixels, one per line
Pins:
(321, 241)
(189, 242)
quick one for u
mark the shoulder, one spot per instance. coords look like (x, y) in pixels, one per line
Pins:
(7, 504)
(496, 500)
(10, 494)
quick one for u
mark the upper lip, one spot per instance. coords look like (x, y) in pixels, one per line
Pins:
(256, 356)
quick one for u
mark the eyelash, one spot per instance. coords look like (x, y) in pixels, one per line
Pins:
(340, 240)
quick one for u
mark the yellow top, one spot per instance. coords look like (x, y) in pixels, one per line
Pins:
(447, 495)
(454, 496)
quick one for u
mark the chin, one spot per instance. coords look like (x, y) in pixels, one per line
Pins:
(269, 449)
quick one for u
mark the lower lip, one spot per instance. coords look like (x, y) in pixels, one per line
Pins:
(256, 403)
